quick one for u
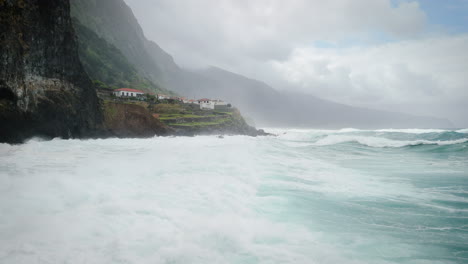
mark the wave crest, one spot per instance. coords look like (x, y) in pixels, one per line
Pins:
(379, 142)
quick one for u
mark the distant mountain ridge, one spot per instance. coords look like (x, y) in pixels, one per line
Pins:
(114, 21)
(290, 109)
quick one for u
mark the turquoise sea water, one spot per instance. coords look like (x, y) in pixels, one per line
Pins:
(305, 196)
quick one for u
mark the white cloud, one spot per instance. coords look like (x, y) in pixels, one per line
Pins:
(420, 73)
(226, 31)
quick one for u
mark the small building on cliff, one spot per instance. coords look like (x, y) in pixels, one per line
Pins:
(163, 97)
(127, 92)
(206, 103)
(221, 105)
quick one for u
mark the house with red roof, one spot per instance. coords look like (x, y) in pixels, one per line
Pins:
(127, 92)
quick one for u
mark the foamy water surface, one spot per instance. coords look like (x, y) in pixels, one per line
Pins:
(305, 196)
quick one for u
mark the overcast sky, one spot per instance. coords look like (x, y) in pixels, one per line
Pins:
(407, 56)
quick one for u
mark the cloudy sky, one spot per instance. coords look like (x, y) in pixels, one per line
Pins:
(399, 55)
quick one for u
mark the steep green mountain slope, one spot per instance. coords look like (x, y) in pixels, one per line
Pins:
(106, 65)
(114, 21)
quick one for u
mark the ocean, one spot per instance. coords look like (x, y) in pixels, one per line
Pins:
(305, 196)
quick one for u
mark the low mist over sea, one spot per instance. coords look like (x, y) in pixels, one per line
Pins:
(305, 196)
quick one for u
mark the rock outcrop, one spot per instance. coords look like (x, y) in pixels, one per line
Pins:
(227, 124)
(44, 90)
(131, 120)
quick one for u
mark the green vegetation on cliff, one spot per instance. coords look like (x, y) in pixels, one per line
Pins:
(113, 21)
(189, 119)
(106, 65)
(147, 118)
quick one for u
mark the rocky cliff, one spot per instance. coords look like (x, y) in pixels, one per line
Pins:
(44, 90)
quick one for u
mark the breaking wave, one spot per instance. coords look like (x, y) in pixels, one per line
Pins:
(403, 130)
(379, 142)
(382, 138)
(303, 197)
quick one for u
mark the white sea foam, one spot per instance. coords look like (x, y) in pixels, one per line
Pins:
(395, 130)
(413, 130)
(380, 142)
(160, 200)
(211, 200)
(306, 135)
(349, 129)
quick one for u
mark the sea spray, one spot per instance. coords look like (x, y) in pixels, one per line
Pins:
(384, 142)
(362, 197)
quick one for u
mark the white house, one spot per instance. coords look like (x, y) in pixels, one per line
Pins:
(206, 103)
(127, 92)
(190, 101)
(163, 97)
(220, 102)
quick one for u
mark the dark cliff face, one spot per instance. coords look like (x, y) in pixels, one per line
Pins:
(44, 90)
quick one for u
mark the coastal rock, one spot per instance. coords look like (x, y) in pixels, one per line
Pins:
(130, 120)
(44, 90)
(235, 125)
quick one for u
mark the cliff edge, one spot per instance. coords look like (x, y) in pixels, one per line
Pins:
(44, 90)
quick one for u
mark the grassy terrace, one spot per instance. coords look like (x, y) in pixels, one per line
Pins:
(169, 113)
(178, 115)
(175, 116)
(201, 124)
(224, 113)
